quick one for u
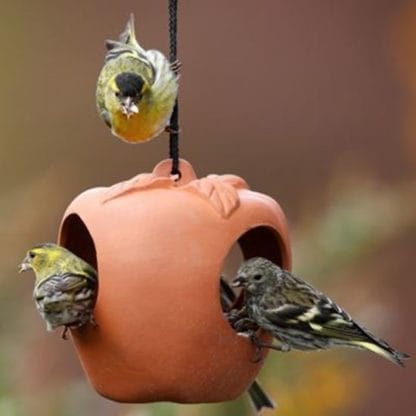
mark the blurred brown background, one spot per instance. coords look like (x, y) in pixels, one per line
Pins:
(313, 103)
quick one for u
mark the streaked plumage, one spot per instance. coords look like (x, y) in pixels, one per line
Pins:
(136, 89)
(299, 315)
(65, 286)
(258, 396)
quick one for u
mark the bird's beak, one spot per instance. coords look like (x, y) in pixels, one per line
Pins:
(129, 107)
(24, 265)
(239, 281)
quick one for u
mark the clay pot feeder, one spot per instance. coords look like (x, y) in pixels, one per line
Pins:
(159, 247)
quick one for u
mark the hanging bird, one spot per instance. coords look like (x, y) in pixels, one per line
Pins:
(65, 286)
(298, 315)
(136, 88)
(258, 396)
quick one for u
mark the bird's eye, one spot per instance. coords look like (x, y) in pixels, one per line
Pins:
(117, 94)
(257, 277)
(32, 254)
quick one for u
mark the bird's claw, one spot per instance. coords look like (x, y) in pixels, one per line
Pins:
(93, 322)
(175, 66)
(64, 333)
(232, 316)
(170, 130)
(251, 335)
(258, 356)
(245, 325)
(285, 348)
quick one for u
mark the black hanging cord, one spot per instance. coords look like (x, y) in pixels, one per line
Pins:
(174, 119)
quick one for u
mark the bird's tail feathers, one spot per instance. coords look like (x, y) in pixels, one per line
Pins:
(383, 349)
(126, 44)
(128, 36)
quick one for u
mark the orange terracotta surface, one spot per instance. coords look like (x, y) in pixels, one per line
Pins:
(159, 247)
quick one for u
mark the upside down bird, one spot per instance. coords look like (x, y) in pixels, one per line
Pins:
(136, 88)
(298, 315)
(65, 286)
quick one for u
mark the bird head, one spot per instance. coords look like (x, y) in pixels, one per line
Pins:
(127, 91)
(256, 275)
(42, 259)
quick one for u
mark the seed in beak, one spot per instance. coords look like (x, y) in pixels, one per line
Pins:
(129, 107)
(238, 281)
(23, 267)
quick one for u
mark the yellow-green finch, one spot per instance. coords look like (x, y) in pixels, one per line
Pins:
(300, 316)
(257, 395)
(136, 88)
(65, 286)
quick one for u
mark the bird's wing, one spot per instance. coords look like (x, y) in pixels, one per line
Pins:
(297, 292)
(337, 324)
(301, 306)
(128, 36)
(323, 317)
(127, 45)
(67, 282)
(288, 316)
(140, 57)
(163, 73)
(285, 313)
(106, 117)
(331, 321)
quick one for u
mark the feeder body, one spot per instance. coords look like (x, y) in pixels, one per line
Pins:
(159, 248)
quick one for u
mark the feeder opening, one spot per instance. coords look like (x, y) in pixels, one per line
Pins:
(260, 241)
(263, 242)
(76, 238)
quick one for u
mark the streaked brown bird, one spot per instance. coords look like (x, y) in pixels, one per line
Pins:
(300, 316)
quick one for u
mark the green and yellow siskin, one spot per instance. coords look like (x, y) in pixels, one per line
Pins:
(298, 315)
(136, 89)
(65, 286)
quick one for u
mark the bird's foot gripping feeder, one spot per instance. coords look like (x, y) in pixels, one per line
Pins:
(159, 246)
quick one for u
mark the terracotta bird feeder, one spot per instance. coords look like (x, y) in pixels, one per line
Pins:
(159, 246)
